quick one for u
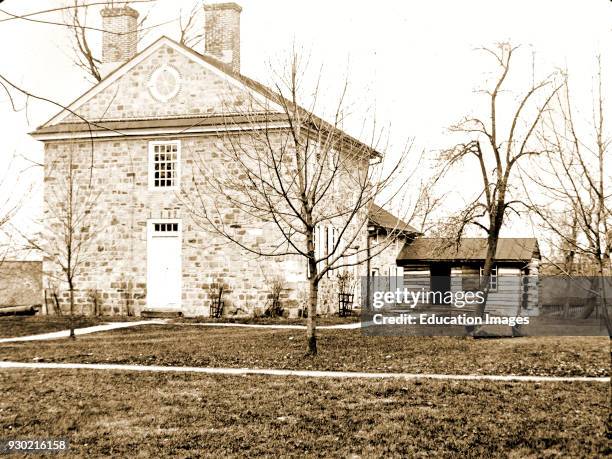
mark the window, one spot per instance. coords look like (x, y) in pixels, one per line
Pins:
(164, 165)
(470, 278)
(493, 280)
(330, 244)
(353, 260)
(325, 242)
(396, 277)
(165, 227)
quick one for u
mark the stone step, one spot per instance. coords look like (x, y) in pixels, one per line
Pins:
(160, 314)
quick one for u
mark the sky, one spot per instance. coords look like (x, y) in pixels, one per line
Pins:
(412, 66)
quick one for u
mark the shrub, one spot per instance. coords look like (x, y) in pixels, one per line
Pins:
(346, 282)
(275, 308)
(94, 297)
(52, 294)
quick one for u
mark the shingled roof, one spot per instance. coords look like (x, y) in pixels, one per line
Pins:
(386, 220)
(469, 249)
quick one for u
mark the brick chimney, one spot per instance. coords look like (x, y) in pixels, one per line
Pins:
(222, 32)
(120, 37)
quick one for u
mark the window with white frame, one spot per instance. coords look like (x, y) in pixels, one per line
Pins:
(396, 277)
(325, 242)
(164, 165)
(492, 280)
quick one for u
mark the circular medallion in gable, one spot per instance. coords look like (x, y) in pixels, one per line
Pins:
(164, 83)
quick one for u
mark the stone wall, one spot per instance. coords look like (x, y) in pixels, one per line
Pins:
(114, 233)
(386, 254)
(202, 92)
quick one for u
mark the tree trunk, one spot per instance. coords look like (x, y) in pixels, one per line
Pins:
(485, 281)
(591, 300)
(71, 290)
(56, 303)
(566, 305)
(569, 267)
(603, 299)
(311, 321)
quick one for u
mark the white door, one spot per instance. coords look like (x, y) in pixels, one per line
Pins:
(164, 264)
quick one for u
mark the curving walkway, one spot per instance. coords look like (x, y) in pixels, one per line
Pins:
(351, 326)
(82, 331)
(116, 325)
(294, 373)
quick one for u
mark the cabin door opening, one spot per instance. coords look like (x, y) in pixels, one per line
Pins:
(440, 281)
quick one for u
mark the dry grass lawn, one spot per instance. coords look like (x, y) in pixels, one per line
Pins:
(143, 415)
(120, 414)
(342, 350)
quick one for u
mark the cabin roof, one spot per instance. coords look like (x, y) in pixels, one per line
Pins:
(468, 249)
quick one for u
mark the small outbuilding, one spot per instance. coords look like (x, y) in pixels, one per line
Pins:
(442, 265)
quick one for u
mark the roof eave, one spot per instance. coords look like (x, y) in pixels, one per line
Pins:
(461, 260)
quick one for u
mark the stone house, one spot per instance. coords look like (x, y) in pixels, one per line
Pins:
(135, 138)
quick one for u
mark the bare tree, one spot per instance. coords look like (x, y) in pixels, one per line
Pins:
(574, 184)
(9, 206)
(304, 180)
(70, 231)
(82, 53)
(191, 31)
(492, 148)
(84, 58)
(75, 18)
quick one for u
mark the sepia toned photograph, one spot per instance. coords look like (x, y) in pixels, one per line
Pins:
(306, 229)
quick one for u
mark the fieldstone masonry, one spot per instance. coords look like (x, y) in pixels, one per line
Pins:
(114, 268)
(201, 93)
(116, 256)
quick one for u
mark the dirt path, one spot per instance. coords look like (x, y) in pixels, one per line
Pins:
(298, 373)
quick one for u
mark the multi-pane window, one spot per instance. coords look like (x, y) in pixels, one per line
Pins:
(493, 278)
(164, 165)
(325, 243)
(165, 227)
